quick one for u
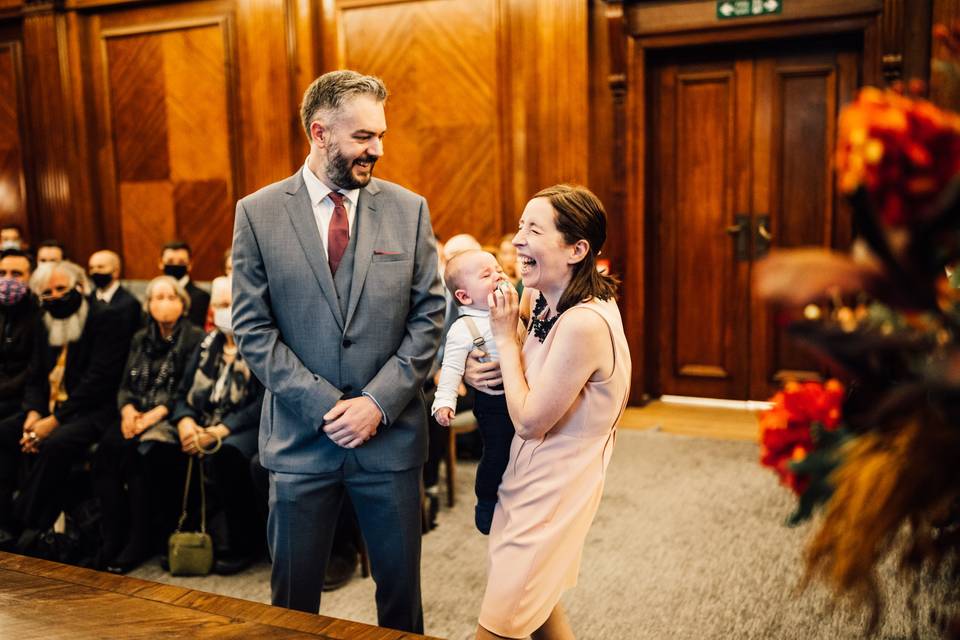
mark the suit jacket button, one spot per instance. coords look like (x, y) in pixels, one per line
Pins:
(347, 343)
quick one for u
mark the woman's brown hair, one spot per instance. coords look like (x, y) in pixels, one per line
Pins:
(579, 215)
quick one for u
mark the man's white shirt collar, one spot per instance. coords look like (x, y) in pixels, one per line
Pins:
(318, 191)
(106, 295)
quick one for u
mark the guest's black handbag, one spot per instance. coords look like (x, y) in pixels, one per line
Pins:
(190, 553)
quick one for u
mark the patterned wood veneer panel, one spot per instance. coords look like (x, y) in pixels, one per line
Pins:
(147, 217)
(137, 107)
(11, 159)
(438, 59)
(170, 113)
(204, 212)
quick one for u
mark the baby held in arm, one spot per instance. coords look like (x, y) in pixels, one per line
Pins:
(471, 276)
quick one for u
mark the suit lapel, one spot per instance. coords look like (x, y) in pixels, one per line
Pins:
(367, 225)
(300, 210)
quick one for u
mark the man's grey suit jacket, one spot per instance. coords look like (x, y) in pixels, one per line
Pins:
(291, 333)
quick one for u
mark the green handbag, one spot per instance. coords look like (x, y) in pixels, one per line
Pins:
(190, 553)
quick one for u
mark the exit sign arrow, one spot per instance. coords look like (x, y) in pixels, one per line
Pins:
(734, 9)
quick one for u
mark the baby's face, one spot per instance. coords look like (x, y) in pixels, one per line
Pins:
(482, 275)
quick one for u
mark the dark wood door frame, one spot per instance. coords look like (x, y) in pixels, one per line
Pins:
(819, 18)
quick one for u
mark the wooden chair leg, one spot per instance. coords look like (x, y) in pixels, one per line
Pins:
(451, 464)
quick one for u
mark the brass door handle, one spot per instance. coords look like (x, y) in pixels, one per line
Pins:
(740, 232)
(764, 238)
(764, 232)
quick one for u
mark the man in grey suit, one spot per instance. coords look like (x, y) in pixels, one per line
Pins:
(337, 306)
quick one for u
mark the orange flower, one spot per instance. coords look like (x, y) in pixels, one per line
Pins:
(786, 430)
(902, 150)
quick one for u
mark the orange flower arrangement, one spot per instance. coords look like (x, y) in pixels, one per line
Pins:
(903, 150)
(791, 429)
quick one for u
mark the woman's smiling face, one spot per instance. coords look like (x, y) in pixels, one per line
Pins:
(545, 259)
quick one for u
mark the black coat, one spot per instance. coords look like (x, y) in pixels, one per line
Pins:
(18, 324)
(186, 339)
(94, 364)
(243, 420)
(199, 302)
(130, 309)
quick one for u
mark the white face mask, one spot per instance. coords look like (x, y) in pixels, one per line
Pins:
(10, 244)
(222, 319)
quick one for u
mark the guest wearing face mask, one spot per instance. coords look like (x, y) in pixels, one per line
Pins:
(104, 269)
(11, 237)
(51, 250)
(155, 366)
(176, 262)
(219, 399)
(69, 396)
(19, 313)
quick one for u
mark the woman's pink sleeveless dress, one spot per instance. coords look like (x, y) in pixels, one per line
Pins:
(551, 490)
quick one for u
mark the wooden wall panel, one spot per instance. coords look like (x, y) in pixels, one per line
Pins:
(192, 110)
(438, 59)
(170, 111)
(12, 172)
(475, 117)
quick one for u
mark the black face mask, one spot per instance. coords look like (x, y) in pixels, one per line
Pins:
(101, 280)
(175, 271)
(65, 306)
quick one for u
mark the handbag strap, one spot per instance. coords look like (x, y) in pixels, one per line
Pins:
(203, 491)
(203, 498)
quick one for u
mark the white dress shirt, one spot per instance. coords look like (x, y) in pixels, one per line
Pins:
(106, 295)
(323, 205)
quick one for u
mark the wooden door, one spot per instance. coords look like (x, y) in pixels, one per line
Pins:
(740, 163)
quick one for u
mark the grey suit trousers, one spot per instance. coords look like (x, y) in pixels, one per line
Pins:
(303, 515)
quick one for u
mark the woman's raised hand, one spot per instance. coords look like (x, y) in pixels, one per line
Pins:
(504, 311)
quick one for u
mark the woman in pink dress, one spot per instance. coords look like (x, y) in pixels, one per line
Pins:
(566, 375)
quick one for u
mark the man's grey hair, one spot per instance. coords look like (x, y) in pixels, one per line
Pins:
(74, 272)
(326, 94)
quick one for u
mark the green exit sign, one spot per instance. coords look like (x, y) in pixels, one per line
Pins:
(731, 9)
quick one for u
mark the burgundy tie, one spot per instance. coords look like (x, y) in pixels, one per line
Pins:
(338, 235)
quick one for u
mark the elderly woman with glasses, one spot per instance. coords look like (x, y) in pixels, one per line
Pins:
(147, 396)
(219, 402)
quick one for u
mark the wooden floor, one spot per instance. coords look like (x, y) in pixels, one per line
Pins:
(706, 422)
(41, 600)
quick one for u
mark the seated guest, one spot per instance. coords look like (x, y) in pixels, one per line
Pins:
(104, 268)
(51, 251)
(19, 313)
(69, 397)
(219, 399)
(11, 237)
(176, 262)
(155, 366)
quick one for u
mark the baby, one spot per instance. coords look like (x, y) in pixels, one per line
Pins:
(471, 276)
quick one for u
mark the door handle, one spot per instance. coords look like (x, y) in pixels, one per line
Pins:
(739, 231)
(764, 238)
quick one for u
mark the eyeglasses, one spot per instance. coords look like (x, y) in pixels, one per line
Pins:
(48, 294)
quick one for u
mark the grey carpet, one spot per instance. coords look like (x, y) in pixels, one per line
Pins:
(688, 544)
